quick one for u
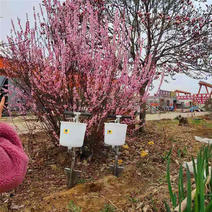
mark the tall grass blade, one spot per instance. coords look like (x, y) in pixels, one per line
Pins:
(172, 196)
(167, 207)
(202, 184)
(189, 201)
(209, 207)
(180, 188)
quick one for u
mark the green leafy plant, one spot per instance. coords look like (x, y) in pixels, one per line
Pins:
(133, 200)
(82, 181)
(199, 199)
(72, 207)
(182, 152)
(166, 155)
(108, 208)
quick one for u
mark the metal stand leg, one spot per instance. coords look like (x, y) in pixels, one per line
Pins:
(70, 180)
(72, 175)
(116, 161)
(116, 169)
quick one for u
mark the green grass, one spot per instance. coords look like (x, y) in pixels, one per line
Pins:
(133, 200)
(202, 122)
(108, 208)
(72, 207)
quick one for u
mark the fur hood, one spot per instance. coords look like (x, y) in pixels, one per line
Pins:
(13, 160)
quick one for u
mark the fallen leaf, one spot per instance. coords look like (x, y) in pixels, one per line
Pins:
(143, 153)
(125, 146)
(120, 162)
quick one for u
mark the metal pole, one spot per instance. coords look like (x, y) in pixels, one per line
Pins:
(70, 177)
(72, 174)
(77, 115)
(116, 166)
(118, 118)
(116, 161)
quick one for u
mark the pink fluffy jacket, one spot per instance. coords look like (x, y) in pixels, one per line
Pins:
(13, 160)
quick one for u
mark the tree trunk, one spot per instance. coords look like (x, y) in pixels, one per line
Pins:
(142, 115)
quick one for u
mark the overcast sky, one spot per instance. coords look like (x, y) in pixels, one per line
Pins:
(11, 9)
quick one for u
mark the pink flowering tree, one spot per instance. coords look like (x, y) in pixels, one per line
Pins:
(70, 60)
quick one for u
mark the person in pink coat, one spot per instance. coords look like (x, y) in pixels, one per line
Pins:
(13, 160)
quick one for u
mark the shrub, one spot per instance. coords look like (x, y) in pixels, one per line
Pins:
(70, 60)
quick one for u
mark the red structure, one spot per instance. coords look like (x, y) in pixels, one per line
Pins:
(183, 95)
(199, 98)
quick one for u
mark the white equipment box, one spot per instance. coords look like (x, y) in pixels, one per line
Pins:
(115, 134)
(72, 134)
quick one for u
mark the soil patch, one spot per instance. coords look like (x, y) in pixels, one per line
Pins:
(141, 186)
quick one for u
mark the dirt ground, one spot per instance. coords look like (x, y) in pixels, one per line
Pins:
(141, 187)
